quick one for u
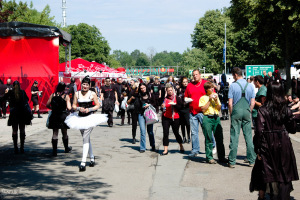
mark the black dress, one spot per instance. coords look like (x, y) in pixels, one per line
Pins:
(59, 113)
(34, 97)
(20, 112)
(272, 143)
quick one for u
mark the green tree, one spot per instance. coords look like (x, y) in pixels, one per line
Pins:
(197, 58)
(277, 28)
(123, 57)
(135, 55)
(88, 43)
(23, 13)
(142, 60)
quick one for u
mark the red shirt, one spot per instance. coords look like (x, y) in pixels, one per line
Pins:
(195, 92)
(169, 111)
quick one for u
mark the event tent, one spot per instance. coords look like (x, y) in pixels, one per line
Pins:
(29, 52)
(80, 68)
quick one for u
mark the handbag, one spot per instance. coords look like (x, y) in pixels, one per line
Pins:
(47, 123)
(130, 107)
(150, 115)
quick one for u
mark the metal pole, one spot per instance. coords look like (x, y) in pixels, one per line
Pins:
(225, 49)
(69, 57)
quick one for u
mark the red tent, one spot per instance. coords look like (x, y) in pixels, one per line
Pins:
(29, 52)
(80, 68)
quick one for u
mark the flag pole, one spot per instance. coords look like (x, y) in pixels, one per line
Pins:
(225, 49)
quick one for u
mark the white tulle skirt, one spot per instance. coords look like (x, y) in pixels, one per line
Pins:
(78, 122)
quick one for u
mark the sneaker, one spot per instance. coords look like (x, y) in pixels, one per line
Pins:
(212, 161)
(231, 166)
(214, 151)
(142, 151)
(133, 141)
(251, 164)
(192, 155)
(153, 149)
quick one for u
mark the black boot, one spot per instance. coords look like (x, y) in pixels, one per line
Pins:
(66, 145)
(22, 138)
(39, 115)
(122, 121)
(15, 139)
(54, 146)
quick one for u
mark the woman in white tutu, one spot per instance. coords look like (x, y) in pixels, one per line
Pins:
(85, 120)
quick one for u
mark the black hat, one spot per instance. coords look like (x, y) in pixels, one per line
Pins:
(35, 82)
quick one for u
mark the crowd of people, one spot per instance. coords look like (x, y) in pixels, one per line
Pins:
(257, 103)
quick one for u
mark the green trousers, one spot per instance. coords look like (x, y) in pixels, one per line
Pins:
(241, 118)
(212, 126)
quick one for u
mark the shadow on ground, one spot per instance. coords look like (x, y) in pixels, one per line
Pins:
(38, 175)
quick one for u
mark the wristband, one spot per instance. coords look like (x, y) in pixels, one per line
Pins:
(78, 108)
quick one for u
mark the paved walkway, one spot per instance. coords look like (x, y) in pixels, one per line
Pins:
(121, 172)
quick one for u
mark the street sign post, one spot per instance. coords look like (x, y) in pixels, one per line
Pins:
(254, 70)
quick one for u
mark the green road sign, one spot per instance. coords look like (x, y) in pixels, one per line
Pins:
(253, 70)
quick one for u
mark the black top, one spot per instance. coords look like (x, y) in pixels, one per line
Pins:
(108, 91)
(140, 101)
(58, 104)
(2, 89)
(180, 94)
(34, 89)
(156, 88)
(119, 89)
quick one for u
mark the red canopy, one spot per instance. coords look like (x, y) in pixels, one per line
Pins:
(79, 64)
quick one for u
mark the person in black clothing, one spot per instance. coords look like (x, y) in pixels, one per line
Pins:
(59, 103)
(223, 95)
(3, 88)
(156, 91)
(72, 89)
(184, 112)
(132, 98)
(163, 92)
(119, 89)
(20, 114)
(109, 99)
(35, 99)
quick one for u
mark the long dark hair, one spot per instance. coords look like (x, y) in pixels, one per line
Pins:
(140, 92)
(60, 88)
(276, 103)
(17, 90)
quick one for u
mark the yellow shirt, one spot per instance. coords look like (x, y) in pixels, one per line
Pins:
(211, 110)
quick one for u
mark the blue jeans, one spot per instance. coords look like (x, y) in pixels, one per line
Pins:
(142, 124)
(194, 122)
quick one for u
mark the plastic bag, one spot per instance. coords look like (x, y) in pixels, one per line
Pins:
(124, 103)
(150, 115)
(116, 108)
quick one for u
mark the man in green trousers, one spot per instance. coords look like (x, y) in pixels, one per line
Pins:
(241, 102)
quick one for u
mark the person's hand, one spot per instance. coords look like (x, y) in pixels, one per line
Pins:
(211, 96)
(82, 110)
(163, 105)
(40, 91)
(216, 96)
(259, 157)
(132, 97)
(117, 103)
(6, 91)
(146, 106)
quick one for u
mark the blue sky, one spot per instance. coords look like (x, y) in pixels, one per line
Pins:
(137, 24)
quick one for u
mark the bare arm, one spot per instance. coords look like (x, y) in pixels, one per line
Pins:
(69, 107)
(74, 106)
(252, 103)
(49, 101)
(230, 104)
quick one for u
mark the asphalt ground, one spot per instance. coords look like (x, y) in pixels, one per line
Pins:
(121, 171)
